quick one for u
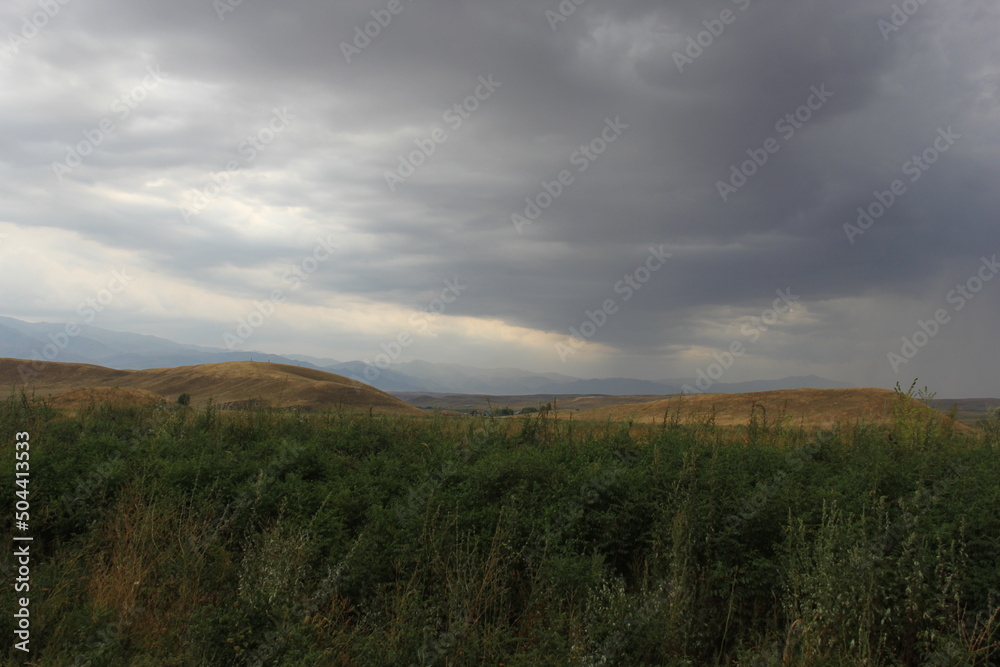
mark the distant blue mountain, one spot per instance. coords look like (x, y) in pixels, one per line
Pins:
(121, 350)
(113, 349)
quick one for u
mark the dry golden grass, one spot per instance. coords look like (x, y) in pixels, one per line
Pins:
(807, 408)
(235, 383)
(140, 553)
(516, 402)
(73, 400)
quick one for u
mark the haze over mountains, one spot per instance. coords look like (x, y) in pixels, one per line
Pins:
(121, 350)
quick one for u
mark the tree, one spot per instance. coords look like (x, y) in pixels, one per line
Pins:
(184, 399)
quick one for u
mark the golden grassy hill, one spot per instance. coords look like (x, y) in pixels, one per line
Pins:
(809, 408)
(231, 384)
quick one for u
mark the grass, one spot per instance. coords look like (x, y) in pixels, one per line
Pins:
(235, 384)
(167, 535)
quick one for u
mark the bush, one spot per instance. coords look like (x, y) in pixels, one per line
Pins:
(208, 537)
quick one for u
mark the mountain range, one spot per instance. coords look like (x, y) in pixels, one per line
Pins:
(44, 341)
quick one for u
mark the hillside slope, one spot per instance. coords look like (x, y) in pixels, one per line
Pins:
(810, 408)
(229, 384)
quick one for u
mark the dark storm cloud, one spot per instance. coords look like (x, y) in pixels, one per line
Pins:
(558, 85)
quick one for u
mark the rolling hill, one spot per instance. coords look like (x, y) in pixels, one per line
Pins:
(809, 408)
(231, 384)
(131, 351)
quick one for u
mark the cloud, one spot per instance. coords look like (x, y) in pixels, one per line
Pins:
(324, 175)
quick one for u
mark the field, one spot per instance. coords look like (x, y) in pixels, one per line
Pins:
(170, 535)
(814, 405)
(967, 410)
(233, 384)
(481, 403)
(805, 408)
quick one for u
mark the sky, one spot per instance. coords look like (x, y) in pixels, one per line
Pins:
(748, 189)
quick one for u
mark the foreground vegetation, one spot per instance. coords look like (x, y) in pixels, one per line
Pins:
(173, 536)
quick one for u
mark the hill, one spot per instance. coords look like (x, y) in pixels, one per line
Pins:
(131, 351)
(809, 408)
(230, 384)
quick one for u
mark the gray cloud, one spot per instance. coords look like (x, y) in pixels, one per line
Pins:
(324, 175)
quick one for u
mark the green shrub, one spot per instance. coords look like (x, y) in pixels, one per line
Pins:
(281, 538)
